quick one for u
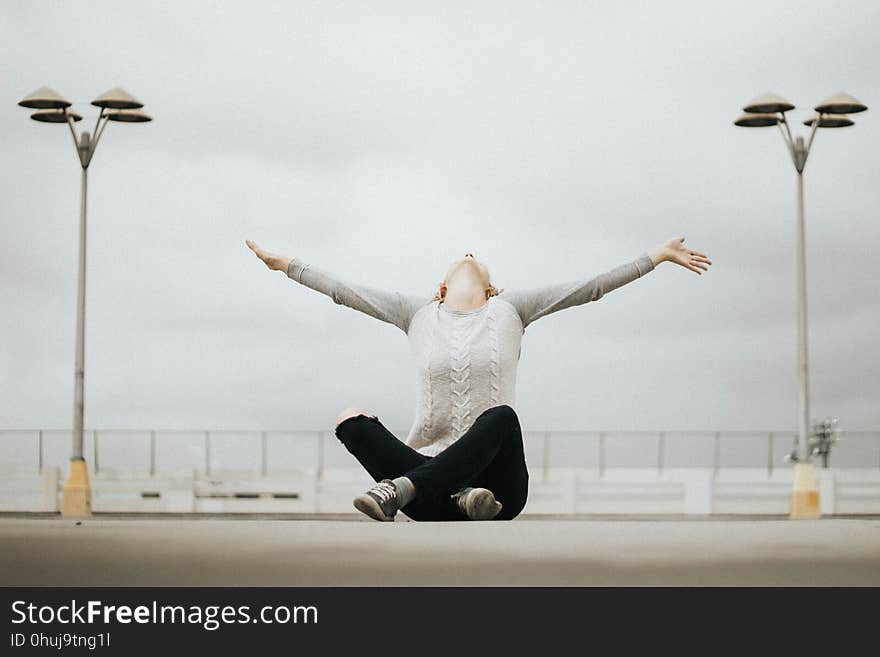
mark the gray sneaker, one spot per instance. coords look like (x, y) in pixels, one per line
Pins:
(477, 503)
(380, 502)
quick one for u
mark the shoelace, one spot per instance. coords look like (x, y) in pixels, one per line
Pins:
(460, 498)
(384, 491)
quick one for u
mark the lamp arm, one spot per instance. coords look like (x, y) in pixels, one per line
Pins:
(787, 129)
(97, 123)
(786, 137)
(72, 131)
(813, 131)
(99, 130)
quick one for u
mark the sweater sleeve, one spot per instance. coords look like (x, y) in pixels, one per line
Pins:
(392, 307)
(536, 303)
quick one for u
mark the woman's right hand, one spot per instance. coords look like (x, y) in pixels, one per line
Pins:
(273, 261)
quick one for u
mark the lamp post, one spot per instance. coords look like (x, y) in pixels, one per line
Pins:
(51, 107)
(770, 110)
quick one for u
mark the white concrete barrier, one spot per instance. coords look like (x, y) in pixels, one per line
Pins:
(680, 491)
(29, 491)
(243, 492)
(114, 491)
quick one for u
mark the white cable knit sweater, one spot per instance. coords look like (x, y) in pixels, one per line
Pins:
(466, 359)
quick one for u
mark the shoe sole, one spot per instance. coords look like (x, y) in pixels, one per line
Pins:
(368, 506)
(482, 505)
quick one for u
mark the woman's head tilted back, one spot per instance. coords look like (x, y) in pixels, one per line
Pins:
(468, 273)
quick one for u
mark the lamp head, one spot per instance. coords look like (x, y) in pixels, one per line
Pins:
(768, 103)
(128, 116)
(756, 120)
(44, 98)
(840, 103)
(831, 121)
(117, 98)
(54, 116)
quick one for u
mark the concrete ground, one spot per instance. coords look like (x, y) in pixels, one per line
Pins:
(349, 551)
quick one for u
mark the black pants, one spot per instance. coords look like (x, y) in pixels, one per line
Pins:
(488, 455)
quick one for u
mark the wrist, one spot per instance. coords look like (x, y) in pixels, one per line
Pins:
(658, 254)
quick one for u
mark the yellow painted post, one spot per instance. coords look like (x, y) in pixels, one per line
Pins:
(77, 498)
(805, 493)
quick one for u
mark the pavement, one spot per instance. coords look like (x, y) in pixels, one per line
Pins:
(350, 551)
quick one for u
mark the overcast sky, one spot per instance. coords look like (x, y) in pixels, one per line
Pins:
(380, 141)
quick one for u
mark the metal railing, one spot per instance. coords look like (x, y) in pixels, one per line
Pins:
(545, 450)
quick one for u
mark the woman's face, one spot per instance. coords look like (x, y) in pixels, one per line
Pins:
(468, 261)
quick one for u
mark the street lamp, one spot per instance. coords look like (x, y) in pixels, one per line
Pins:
(769, 110)
(51, 107)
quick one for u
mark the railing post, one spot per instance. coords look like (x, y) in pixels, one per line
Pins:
(843, 435)
(716, 458)
(319, 475)
(661, 446)
(208, 453)
(264, 454)
(601, 454)
(40, 450)
(95, 450)
(152, 453)
(545, 457)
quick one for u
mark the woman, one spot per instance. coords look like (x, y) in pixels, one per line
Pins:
(463, 457)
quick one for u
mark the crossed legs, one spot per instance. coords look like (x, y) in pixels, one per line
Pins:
(489, 455)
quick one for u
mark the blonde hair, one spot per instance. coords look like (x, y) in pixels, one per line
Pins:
(491, 291)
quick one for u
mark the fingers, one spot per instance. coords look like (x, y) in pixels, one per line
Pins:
(696, 263)
(692, 263)
(694, 260)
(253, 247)
(262, 255)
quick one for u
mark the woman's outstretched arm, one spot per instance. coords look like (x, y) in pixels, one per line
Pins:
(539, 302)
(392, 307)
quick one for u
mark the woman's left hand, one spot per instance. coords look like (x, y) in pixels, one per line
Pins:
(675, 251)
